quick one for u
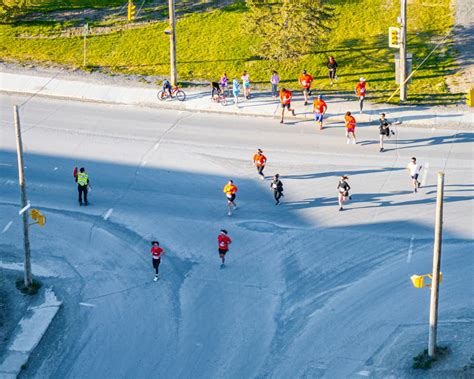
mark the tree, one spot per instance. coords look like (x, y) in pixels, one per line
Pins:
(289, 28)
(10, 8)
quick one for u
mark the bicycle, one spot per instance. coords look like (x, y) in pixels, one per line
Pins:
(219, 97)
(176, 92)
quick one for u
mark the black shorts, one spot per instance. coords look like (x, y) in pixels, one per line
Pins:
(286, 106)
(222, 251)
(156, 262)
(231, 197)
(414, 177)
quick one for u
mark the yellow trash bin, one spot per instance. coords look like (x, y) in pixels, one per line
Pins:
(470, 97)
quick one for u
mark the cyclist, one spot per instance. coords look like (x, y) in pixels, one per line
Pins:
(305, 82)
(216, 90)
(167, 87)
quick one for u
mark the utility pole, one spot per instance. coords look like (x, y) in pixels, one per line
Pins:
(403, 49)
(85, 31)
(172, 16)
(28, 277)
(436, 266)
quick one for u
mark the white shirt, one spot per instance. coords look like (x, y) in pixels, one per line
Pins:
(415, 168)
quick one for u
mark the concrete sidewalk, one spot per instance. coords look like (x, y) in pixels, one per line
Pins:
(261, 104)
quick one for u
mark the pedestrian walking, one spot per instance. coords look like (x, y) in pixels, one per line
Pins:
(332, 67)
(230, 189)
(414, 169)
(274, 80)
(235, 90)
(277, 187)
(156, 253)
(350, 127)
(319, 108)
(259, 161)
(384, 130)
(343, 189)
(305, 80)
(224, 241)
(225, 84)
(285, 100)
(246, 84)
(360, 91)
(83, 185)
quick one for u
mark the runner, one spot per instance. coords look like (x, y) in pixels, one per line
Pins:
(246, 84)
(277, 187)
(285, 100)
(224, 241)
(319, 108)
(350, 127)
(360, 91)
(414, 169)
(230, 189)
(235, 90)
(305, 81)
(156, 253)
(343, 190)
(259, 161)
(384, 129)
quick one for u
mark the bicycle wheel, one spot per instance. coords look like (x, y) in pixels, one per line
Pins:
(180, 95)
(161, 95)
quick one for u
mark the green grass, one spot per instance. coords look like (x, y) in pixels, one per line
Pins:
(211, 43)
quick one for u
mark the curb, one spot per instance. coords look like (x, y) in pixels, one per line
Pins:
(28, 334)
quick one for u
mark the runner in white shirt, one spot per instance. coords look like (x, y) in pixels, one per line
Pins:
(414, 169)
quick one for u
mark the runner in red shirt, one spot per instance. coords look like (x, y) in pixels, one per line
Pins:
(360, 91)
(259, 160)
(319, 108)
(224, 242)
(305, 81)
(156, 253)
(285, 100)
(350, 127)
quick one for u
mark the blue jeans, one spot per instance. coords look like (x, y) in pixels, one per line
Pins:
(275, 90)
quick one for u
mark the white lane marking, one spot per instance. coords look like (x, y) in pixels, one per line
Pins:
(156, 146)
(425, 174)
(364, 373)
(55, 169)
(109, 212)
(7, 226)
(87, 305)
(144, 163)
(24, 209)
(6, 164)
(410, 249)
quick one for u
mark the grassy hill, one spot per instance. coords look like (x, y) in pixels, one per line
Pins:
(212, 41)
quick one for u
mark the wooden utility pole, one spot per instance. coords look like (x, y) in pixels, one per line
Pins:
(403, 49)
(173, 70)
(436, 266)
(28, 276)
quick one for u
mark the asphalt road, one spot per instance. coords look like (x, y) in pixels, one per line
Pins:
(308, 291)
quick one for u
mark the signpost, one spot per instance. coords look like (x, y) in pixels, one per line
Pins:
(85, 32)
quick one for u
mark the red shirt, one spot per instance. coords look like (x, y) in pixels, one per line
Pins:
(360, 89)
(319, 106)
(305, 80)
(259, 160)
(285, 96)
(156, 252)
(350, 122)
(224, 242)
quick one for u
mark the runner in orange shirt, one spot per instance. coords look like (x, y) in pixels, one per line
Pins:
(230, 189)
(319, 108)
(350, 127)
(360, 91)
(285, 100)
(259, 160)
(305, 81)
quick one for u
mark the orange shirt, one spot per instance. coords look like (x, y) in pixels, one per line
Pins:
(305, 80)
(259, 160)
(350, 122)
(230, 189)
(319, 106)
(360, 89)
(285, 96)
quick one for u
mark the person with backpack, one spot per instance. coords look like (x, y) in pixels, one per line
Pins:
(277, 187)
(343, 189)
(156, 253)
(223, 241)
